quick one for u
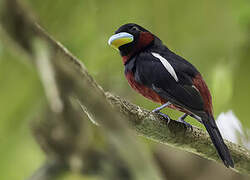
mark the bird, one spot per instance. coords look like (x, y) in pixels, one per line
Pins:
(162, 76)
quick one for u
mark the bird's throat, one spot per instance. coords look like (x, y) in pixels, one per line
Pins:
(144, 41)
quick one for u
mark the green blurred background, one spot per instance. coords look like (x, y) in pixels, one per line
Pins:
(213, 35)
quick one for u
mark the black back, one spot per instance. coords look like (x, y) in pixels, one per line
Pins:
(149, 71)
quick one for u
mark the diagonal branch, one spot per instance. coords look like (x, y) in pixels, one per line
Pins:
(145, 123)
(49, 170)
(197, 141)
(59, 130)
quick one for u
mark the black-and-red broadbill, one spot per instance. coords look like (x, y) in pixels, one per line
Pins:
(166, 78)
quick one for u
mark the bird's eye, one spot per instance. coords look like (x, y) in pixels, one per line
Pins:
(134, 28)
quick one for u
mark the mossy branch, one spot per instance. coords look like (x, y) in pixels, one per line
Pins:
(145, 123)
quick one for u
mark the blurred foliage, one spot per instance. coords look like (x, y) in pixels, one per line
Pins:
(213, 35)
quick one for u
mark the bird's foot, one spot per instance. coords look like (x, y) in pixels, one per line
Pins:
(156, 110)
(196, 117)
(166, 117)
(185, 123)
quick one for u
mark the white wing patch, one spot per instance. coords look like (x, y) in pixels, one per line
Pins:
(167, 65)
(195, 88)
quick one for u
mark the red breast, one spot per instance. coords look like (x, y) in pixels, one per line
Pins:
(149, 93)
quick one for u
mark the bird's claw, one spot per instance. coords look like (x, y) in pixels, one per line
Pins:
(163, 115)
(155, 111)
(189, 126)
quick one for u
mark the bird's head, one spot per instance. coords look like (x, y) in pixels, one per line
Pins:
(130, 39)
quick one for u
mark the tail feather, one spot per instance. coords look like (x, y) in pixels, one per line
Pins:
(217, 140)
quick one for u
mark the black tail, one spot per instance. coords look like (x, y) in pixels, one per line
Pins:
(217, 140)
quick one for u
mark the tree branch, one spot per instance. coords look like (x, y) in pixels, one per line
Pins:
(145, 123)
(61, 131)
(175, 134)
(50, 170)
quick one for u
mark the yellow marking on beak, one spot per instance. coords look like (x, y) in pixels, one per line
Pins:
(120, 39)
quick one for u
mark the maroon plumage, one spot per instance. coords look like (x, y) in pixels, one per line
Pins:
(200, 84)
(162, 76)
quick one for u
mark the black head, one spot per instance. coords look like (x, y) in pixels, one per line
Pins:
(131, 38)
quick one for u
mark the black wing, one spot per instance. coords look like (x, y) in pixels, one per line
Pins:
(150, 71)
